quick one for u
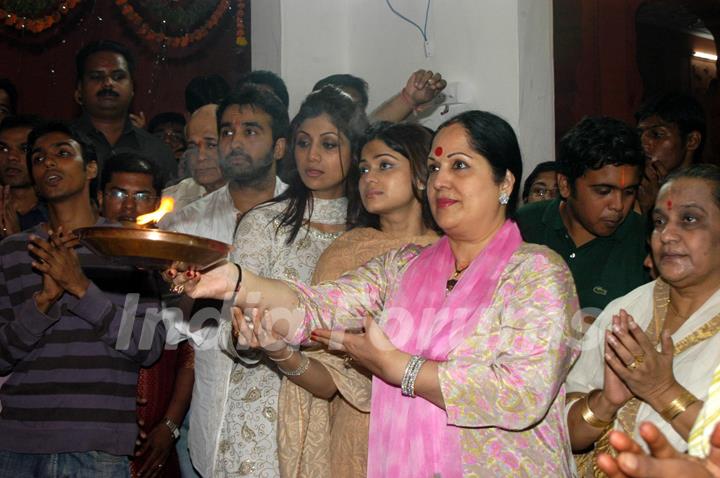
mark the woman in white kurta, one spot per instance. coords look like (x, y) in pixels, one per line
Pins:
(650, 355)
(283, 239)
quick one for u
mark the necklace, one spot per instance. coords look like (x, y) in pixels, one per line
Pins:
(450, 284)
(675, 311)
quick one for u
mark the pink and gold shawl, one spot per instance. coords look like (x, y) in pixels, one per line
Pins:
(410, 437)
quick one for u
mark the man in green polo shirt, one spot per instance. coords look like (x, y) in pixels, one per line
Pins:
(592, 225)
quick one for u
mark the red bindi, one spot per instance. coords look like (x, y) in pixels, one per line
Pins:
(669, 205)
(438, 151)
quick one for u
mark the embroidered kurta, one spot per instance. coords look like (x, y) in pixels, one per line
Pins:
(213, 216)
(248, 437)
(320, 438)
(504, 384)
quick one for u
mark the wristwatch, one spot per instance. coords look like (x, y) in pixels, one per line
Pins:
(172, 426)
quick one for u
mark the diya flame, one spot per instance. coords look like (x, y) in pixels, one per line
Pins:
(166, 205)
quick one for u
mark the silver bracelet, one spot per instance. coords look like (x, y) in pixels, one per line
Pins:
(407, 385)
(302, 368)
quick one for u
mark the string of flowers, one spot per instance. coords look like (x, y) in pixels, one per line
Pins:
(240, 38)
(145, 31)
(14, 18)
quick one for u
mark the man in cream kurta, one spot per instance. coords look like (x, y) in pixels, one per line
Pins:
(214, 217)
(249, 167)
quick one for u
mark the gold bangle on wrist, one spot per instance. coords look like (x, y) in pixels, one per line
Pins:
(592, 419)
(678, 406)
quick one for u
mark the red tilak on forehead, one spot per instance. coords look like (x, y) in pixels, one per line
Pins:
(438, 151)
(622, 178)
(669, 205)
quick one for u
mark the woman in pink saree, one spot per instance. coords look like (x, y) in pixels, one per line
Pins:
(468, 340)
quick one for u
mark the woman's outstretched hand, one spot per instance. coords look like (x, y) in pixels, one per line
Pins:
(371, 349)
(218, 283)
(253, 328)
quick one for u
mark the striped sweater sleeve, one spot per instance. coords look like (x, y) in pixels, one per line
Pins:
(128, 327)
(22, 325)
(133, 329)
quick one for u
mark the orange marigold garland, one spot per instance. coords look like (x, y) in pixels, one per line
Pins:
(145, 31)
(240, 38)
(37, 25)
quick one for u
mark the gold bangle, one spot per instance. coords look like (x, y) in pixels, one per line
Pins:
(678, 406)
(592, 419)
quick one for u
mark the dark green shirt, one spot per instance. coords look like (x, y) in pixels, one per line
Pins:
(606, 267)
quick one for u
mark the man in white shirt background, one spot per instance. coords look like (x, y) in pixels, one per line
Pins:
(253, 126)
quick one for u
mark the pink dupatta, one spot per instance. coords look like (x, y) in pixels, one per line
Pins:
(410, 437)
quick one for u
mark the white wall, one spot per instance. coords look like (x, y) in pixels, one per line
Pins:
(266, 31)
(500, 51)
(536, 120)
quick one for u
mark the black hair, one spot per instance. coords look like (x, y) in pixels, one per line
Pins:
(130, 162)
(596, 142)
(413, 142)
(9, 88)
(547, 166)
(344, 80)
(679, 109)
(53, 126)
(103, 45)
(494, 138)
(254, 97)
(708, 172)
(167, 117)
(205, 90)
(269, 79)
(350, 120)
(20, 121)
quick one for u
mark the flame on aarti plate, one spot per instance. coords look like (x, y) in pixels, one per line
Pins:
(166, 205)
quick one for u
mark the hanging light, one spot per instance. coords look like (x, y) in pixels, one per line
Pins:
(705, 56)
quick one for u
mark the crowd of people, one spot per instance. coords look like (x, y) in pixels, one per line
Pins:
(397, 301)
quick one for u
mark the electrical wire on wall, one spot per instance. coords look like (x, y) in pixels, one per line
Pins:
(423, 30)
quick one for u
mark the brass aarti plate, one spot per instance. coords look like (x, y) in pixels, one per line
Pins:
(153, 248)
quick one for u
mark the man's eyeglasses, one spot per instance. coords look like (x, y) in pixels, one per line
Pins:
(141, 196)
(543, 192)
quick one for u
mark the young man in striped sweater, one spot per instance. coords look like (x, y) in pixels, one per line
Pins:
(72, 333)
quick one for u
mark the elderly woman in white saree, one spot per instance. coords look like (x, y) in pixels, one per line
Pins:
(650, 355)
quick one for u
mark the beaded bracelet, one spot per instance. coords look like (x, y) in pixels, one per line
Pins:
(302, 368)
(407, 385)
